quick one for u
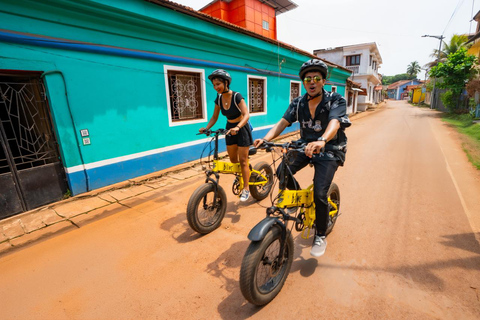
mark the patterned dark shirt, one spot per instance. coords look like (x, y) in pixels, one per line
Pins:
(332, 106)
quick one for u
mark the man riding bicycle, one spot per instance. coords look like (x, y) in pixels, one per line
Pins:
(323, 119)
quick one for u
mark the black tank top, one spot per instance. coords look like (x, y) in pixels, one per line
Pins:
(234, 111)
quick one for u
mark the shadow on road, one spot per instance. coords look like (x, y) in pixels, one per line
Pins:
(465, 241)
(424, 274)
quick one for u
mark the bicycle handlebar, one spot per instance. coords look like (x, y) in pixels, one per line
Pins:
(297, 145)
(211, 132)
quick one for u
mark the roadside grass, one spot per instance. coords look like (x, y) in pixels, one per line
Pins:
(470, 135)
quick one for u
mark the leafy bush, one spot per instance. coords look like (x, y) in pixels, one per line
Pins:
(449, 100)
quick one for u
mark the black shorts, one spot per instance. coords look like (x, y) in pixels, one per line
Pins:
(242, 139)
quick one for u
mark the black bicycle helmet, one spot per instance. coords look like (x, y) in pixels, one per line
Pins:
(314, 65)
(221, 74)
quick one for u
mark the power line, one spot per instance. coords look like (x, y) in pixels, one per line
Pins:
(460, 2)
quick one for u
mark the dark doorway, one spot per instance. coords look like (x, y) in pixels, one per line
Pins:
(31, 173)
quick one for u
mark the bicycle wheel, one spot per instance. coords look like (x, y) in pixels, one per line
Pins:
(202, 215)
(334, 195)
(260, 192)
(263, 272)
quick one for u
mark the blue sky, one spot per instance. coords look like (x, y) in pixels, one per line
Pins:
(396, 26)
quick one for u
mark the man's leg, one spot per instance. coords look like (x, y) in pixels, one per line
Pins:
(324, 172)
(300, 162)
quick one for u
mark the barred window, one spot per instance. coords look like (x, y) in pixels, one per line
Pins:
(257, 94)
(294, 90)
(185, 94)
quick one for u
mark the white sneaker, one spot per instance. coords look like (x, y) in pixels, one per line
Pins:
(244, 195)
(319, 246)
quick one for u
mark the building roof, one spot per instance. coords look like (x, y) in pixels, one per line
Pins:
(399, 83)
(373, 47)
(280, 6)
(203, 16)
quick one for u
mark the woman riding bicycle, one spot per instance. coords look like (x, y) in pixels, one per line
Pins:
(322, 117)
(239, 135)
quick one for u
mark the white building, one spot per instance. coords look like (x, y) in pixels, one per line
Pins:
(364, 60)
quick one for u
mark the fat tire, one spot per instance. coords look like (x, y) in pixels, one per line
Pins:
(253, 259)
(196, 200)
(334, 195)
(265, 189)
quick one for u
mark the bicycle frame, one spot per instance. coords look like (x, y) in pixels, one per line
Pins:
(287, 199)
(229, 167)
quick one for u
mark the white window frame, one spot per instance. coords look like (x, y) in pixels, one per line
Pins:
(299, 87)
(265, 25)
(336, 89)
(167, 68)
(264, 95)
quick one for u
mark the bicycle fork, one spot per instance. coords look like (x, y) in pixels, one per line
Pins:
(209, 179)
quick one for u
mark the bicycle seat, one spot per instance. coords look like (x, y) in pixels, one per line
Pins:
(252, 151)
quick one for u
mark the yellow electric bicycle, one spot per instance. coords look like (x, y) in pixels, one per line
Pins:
(269, 256)
(208, 203)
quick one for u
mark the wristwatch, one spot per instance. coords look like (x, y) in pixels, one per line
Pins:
(322, 139)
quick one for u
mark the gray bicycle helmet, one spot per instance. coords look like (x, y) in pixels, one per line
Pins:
(314, 65)
(221, 74)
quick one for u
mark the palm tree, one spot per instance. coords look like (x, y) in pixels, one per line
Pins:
(456, 42)
(413, 69)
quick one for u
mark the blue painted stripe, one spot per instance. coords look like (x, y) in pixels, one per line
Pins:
(120, 171)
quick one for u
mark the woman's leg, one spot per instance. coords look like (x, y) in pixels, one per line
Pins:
(243, 157)
(232, 151)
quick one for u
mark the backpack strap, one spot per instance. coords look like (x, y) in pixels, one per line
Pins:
(235, 100)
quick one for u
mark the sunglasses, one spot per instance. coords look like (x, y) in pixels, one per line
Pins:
(316, 79)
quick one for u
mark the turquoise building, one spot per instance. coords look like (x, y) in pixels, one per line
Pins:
(94, 92)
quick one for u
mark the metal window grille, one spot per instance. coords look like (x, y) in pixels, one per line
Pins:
(294, 90)
(256, 91)
(185, 95)
(26, 126)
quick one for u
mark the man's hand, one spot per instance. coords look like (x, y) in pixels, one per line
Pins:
(258, 142)
(314, 148)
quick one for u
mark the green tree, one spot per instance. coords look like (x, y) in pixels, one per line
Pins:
(386, 80)
(454, 73)
(413, 69)
(456, 42)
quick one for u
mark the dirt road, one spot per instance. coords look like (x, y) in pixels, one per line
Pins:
(403, 248)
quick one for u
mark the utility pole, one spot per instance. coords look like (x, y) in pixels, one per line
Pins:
(434, 98)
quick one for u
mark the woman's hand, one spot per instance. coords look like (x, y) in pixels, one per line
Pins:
(202, 130)
(234, 131)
